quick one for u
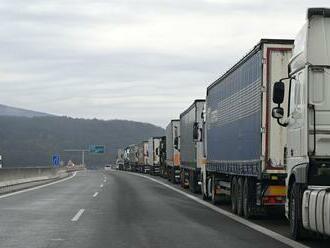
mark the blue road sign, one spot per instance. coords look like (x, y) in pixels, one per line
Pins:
(56, 160)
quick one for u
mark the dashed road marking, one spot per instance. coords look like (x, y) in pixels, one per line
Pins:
(95, 194)
(78, 215)
(57, 239)
(101, 185)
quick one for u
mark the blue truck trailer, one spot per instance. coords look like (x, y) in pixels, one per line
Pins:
(244, 146)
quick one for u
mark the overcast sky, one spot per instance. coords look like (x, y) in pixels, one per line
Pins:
(143, 60)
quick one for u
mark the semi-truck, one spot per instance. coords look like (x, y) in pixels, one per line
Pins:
(191, 145)
(302, 99)
(243, 144)
(146, 167)
(154, 155)
(141, 156)
(131, 158)
(120, 159)
(162, 156)
(126, 165)
(173, 151)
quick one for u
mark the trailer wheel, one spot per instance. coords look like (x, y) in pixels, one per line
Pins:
(249, 197)
(295, 212)
(233, 195)
(240, 185)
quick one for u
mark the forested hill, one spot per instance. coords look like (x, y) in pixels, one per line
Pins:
(32, 141)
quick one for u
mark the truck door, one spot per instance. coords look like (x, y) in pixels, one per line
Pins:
(296, 118)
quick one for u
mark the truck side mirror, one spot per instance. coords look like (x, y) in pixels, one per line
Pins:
(278, 92)
(176, 143)
(278, 113)
(195, 131)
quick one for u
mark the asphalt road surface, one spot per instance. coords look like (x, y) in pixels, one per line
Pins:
(117, 209)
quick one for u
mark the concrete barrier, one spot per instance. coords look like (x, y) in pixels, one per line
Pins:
(12, 179)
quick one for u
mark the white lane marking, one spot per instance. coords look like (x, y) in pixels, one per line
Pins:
(95, 194)
(234, 217)
(58, 239)
(104, 181)
(78, 214)
(38, 187)
(101, 185)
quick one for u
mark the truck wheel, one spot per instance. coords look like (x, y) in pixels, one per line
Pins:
(233, 195)
(249, 197)
(240, 185)
(295, 212)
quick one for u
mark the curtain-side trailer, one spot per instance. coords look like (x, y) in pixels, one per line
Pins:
(192, 155)
(173, 151)
(244, 145)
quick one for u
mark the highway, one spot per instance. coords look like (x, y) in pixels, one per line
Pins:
(119, 209)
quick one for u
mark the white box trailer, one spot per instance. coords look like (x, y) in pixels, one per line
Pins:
(173, 151)
(191, 145)
(244, 145)
(306, 119)
(142, 155)
(154, 146)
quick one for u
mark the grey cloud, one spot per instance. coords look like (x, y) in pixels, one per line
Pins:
(49, 64)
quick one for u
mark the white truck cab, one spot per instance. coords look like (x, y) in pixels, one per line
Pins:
(307, 120)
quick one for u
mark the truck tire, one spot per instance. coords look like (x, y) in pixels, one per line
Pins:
(295, 212)
(233, 195)
(249, 197)
(240, 185)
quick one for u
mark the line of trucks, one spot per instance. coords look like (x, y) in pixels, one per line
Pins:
(261, 138)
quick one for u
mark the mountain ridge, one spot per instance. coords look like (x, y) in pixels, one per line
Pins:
(32, 139)
(6, 110)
